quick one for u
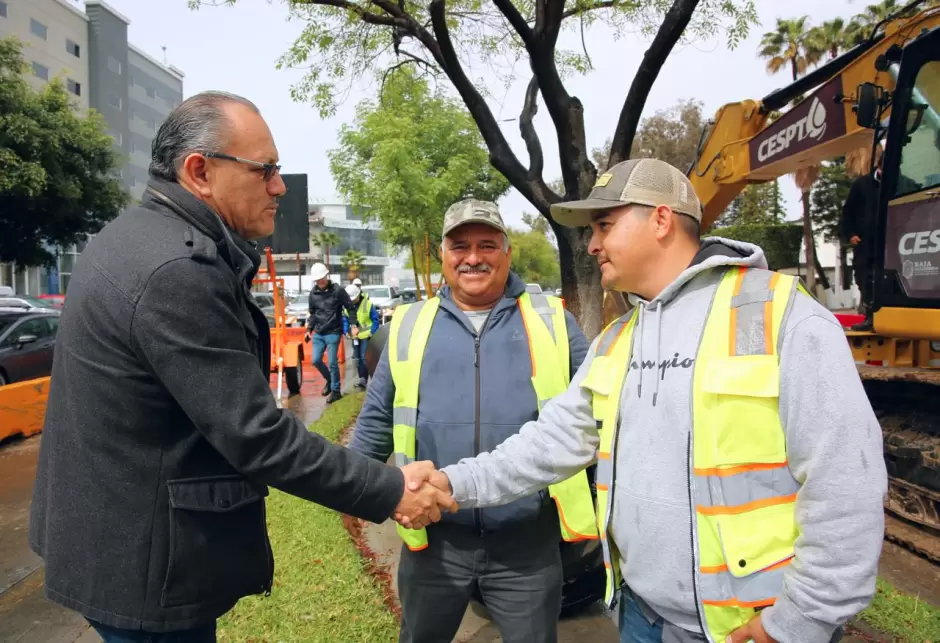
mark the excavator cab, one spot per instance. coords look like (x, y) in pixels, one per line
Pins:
(907, 267)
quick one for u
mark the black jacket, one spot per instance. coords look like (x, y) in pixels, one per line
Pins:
(161, 433)
(326, 310)
(859, 212)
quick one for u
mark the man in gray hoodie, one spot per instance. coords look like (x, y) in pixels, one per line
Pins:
(813, 522)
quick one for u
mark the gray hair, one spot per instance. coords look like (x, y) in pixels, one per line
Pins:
(198, 124)
(505, 243)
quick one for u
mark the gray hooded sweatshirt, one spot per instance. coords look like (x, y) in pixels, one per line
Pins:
(834, 449)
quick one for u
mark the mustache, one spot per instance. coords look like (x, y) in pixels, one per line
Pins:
(466, 268)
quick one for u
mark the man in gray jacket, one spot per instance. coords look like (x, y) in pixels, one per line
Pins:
(474, 388)
(161, 433)
(764, 525)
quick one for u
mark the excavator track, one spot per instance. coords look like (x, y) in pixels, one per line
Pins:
(907, 404)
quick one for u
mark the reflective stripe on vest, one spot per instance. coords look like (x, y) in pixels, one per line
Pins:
(744, 494)
(544, 321)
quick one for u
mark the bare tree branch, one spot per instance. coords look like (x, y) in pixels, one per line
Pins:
(527, 129)
(674, 23)
(516, 20)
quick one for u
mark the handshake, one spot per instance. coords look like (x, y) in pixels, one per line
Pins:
(427, 494)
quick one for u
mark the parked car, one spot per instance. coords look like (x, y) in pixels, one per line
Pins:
(24, 302)
(297, 310)
(27, 341)
(384, 298)
(533, 289)
(53, 301)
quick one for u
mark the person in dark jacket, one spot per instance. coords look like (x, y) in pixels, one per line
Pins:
(325, 324)
(858, 228)
(161, 434)
(476, 389)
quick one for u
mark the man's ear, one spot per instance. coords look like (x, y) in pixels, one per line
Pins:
(663, 220)
(195, 172)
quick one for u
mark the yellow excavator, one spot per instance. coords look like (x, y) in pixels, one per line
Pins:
(886, 90)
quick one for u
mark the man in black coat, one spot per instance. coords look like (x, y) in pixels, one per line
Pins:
(858, 229)
(161, 433)
(325, 324)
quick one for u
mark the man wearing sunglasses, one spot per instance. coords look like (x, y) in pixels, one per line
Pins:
(161, 434)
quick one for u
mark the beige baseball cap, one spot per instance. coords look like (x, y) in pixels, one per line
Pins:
(472, 211)
(642, 181)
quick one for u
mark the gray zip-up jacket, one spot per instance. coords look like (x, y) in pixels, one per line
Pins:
(834, 449)
(476, 391)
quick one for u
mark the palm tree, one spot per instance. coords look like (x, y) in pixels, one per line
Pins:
(352, 260)
(788, 46)
(830, 37)
(326, 240)
(792, 45)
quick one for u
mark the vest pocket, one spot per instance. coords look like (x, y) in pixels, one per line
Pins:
(218, 549)
(755, 540)
(741, 422)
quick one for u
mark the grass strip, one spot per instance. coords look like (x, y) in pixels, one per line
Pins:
(322, 591)
(902, 616)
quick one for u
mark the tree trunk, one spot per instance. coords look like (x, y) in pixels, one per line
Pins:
(809, 246)
(820, 271)
(580, 279)
(414, 268)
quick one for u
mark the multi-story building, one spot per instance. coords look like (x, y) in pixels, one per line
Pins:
(353, 233)
(133, 92)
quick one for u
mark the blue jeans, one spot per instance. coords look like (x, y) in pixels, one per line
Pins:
(634, 625)
(203, 634)
(360, 354)
(330, 344)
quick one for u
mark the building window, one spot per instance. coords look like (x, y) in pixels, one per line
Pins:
(75, 87)
(39, 30)
(40, 71)
(3, 9)
(118, 139)
(151, 93)
(114, 101)
(114, 65)
(73, 48)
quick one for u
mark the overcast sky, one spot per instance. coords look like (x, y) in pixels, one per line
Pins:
(236, 48)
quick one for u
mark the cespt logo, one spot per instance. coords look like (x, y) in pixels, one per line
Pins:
(813, 126)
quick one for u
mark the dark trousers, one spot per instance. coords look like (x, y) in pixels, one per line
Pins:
(359, 350)
(108, 634)
(517, 572)
(861, 270)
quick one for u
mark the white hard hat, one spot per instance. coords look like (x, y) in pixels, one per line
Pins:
(318, 271)
(357, 281)
(353, 291)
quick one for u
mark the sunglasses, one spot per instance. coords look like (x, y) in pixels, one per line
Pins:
(269, 169)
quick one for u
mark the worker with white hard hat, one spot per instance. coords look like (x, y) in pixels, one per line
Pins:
(326, 325)
(357, 282)
(367, 316)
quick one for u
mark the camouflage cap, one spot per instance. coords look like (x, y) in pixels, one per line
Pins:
(472, 211)
(642, 181)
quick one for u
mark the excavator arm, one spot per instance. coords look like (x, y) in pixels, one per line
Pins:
(744, 145)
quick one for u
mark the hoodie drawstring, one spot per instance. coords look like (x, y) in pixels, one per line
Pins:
(657, 309)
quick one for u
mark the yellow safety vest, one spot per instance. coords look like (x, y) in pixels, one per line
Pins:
(744, 494)
(363, 317)
(546, 328)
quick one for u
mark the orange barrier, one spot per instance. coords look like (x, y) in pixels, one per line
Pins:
(23, 407)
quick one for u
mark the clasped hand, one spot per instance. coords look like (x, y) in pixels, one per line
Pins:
(427, 494)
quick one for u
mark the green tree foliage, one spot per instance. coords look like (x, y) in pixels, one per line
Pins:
(759, 204)
(829, 195)
(343, 40)
(534, 258)
(56, 168)
(409, 156)
(780, 243)
(671, 135)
